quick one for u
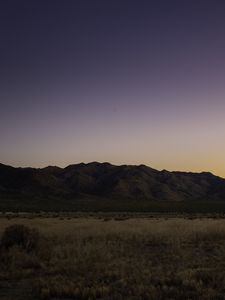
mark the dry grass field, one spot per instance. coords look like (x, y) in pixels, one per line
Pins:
(115, 257)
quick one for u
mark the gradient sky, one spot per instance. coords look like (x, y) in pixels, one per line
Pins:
(124, 81)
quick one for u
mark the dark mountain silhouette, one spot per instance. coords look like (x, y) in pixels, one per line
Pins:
(29, 187)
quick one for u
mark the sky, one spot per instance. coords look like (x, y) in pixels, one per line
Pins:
(123, 81)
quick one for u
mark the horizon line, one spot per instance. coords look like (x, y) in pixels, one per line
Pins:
(114, 164)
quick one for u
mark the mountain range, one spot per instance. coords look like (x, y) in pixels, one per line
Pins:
(101, 182)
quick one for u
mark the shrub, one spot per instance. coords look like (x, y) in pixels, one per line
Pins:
(21, 236)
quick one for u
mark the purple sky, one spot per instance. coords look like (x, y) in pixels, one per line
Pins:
(127, 82)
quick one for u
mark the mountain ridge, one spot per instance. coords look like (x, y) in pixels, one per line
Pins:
(104, 181)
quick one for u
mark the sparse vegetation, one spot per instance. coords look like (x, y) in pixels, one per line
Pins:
(21, 236)
(123, 258)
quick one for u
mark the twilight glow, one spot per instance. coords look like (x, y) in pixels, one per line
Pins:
(128, 82)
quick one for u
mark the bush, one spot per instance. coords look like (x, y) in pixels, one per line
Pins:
(21, 236)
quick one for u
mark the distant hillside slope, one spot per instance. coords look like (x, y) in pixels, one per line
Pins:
(102, 181)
